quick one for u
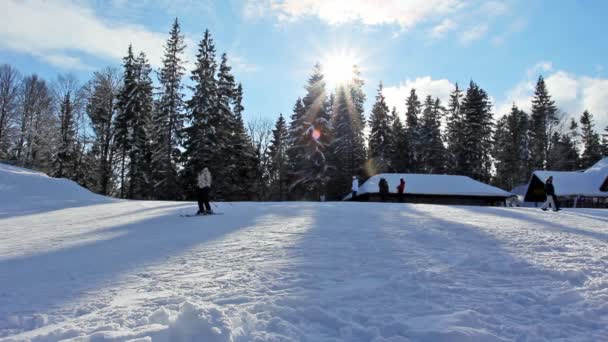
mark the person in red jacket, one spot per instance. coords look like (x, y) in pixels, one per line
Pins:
(401, 190)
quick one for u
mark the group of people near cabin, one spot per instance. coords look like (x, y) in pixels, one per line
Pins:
(383, 190)
(204, 187)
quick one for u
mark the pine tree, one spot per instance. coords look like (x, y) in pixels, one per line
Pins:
(244, 155)
(432, 150)
(412, 130)
(127, 110)
(348, 153)
(454, 135)
(101, 109)
(202, 143)
(316, 136)
(295, 149)
(511, 149)
(278, 160)
(477, 128)
(400, 149)
(380, 137)
(543, 120)
(140, 156)
(169, 117)
(68, 95)
(591, 140)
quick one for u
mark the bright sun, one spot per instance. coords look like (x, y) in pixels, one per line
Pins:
(338, 69)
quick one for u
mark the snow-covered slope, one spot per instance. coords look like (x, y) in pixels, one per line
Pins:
(28, 191)
(137, 271)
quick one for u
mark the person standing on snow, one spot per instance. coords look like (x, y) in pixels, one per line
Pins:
(383, 187)
(401, 190)
(204, 186)
(550, 193)
(355, 187)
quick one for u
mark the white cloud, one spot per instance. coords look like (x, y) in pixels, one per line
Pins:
(572, 93)
(396, 95)
(445, 26)
(239, 64)
(56, 30)
(473, 34)
(405, 14)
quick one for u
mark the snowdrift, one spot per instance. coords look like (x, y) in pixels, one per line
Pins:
(27, 191)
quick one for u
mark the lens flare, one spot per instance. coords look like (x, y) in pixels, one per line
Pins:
(316, 134)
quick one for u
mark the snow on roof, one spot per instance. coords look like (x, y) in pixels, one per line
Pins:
(581, 183)
(433, 185)
(27, 190)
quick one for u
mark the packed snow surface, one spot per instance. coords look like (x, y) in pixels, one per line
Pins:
(137, 271)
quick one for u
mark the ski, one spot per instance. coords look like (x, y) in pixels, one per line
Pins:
(195, 215)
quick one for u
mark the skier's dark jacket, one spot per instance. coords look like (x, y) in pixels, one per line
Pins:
(549, 189)
(383, 185)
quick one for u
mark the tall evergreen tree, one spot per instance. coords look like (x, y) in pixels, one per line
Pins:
(511, 149)
(127, 111)
(454, 134)
(543, 121)
(295, 149)
(169, 117)
(591, 141)
(67, 93)
(412, 129)
(202, 142)
(278, 160)
(400, 145)
(140, 156)
(348, 144)
(477, 143)
(380, 137)
(432, 150)
(316, 136)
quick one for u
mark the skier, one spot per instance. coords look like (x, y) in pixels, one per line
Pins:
(401, 190)
(204, 186)
(355, 187)
(383, 187)
(550, 193)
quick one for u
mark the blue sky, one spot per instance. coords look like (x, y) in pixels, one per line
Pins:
(427, 44)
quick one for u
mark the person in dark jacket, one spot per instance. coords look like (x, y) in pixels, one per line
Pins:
(401, 190)
(550, 193)
(383, 187)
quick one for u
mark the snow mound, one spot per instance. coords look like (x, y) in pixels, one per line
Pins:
(27, 191)
(199, 323)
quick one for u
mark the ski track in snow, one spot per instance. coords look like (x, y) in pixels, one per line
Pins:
(136, 271)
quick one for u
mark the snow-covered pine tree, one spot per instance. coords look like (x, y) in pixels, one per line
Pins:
(295, 150)
(432, 150)
(201, 142)
(277, 152)
(543, 121)
(380, 136)
(10, 80)
(127, 110)
(400, 145)
(591, 141)
(454, 134)
(348, 153)
(605, 141)
(412, 129)
(511, 149)
(477, 143)
(140, 156)
(316, 136)
(101, 108)
(168, 118)
(242, 152)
